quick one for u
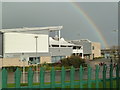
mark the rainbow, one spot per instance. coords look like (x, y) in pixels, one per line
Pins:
(91, 23)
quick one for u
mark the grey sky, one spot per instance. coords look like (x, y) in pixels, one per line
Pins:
(0, 15)
(104, 15)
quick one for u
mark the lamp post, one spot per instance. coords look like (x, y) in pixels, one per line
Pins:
(23, 60)
(36, 37)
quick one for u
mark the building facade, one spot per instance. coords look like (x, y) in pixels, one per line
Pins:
(25, 45)
(59, 48)
(91, 50)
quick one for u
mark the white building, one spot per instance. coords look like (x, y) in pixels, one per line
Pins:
(60, 48)
(30, 43)
(34, 46)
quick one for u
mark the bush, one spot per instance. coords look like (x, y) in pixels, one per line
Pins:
(98, 57)
(74, 61)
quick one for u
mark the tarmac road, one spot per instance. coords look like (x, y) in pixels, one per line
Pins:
(58, 73)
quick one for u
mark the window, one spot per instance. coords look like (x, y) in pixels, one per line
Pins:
(56, 58)
(55, 45)
(93, 47)
(33, 60)
(74, 47)
(63, 46)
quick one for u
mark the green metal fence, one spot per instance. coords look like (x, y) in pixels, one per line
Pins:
(111, 82)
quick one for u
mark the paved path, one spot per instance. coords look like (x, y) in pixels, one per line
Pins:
(92, 63)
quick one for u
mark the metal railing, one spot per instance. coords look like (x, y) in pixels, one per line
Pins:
(72, 83)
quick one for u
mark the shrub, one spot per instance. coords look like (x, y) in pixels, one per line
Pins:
(74, 61)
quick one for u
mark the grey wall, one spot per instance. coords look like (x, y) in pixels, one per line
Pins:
(0, 15)
(62, 51)
(1, 45)
(17, 55)
(86, 46)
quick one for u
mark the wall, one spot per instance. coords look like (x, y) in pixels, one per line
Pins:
(24, 43)
(12, 62)
(45, 59)
(97, 49)
(1, 44)
(6, 62)
(0, 62)
(60, 51)
(86, 47)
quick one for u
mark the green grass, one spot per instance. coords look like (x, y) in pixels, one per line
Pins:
(68, 86)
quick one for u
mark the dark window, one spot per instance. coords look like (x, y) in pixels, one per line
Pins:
(34, 60)
(55, 45)
(63, 46)
(74, 47)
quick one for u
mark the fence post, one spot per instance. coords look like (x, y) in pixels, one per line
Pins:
(30, 77)
(111, 76)
(17, 78)
(72, 71)
(4, 78)
(42, 75)
(104, 76)
(117, 77)
(63, 77)
(52, 78)
(89, 76)
(97, 76)
(81, 77)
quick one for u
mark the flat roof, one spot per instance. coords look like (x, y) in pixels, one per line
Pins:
(32, 29)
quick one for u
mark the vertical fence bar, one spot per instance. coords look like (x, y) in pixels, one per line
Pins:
(81, 77)
(72, 72)
(89, 77)
(104, 76)
(30, 78)
(4, 78)
(97, 76)
(117, 77)
(111, 76)
(42, 75)
(63, 73)
(17, 78)
(52, 78)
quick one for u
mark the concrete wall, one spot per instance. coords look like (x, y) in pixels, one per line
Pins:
(1, 44)
(24, 43)
(0, 62)
(97, 49)
(45, 59)
(14, 55)
(86, 47)
(6, 62)
(60, 51)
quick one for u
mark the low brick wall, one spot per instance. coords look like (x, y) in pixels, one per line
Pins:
(6, 62)
(45, 59)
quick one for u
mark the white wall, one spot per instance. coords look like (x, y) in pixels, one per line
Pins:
(21, 42)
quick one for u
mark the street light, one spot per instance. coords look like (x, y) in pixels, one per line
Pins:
(23, 59)
(36, 37)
